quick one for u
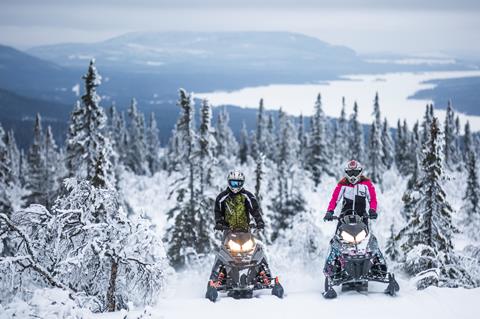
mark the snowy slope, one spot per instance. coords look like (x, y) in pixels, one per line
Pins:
(302, 276)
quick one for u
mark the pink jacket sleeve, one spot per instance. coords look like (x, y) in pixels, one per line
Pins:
(373, 195)
(335, 197)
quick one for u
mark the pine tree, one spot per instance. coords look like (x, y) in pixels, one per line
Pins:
(261, 130)
(467, 142)
(271, 145)
(188, 237)
(388, 150)
(86, 131)
(137, 149)
(450, 138)
(35, 183)
(402, 154)
(427, 237)
(52, 168)
(391, 249)
(302, 141)
(356, 136)
(243, 150)
(288, 201)
(341, 136)
(207, 144)
(226, 143)
(5, 203)
(471, 206)
(375, 154)
(153, 145)
(318, 161)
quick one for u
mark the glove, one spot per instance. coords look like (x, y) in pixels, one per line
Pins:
(220, 226)
(260, 225)
(372, 213)
(328, 216)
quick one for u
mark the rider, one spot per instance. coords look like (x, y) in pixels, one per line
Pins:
(234, 206)
(355, 189)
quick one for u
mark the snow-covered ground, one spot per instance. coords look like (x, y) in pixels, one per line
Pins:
(394, 88)
(302, 277)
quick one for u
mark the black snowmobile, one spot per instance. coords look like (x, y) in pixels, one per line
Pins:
(355, 259)
(240, 268)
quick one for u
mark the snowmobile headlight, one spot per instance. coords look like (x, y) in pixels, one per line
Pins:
(233, 246)
(361, 236)
(347, 237)
(248, 245)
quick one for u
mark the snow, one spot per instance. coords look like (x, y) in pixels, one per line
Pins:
(394, 88)
(302, 278)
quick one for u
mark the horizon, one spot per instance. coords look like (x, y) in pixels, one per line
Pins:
(440, 27)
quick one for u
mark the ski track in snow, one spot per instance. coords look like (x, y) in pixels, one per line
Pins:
(303, 285)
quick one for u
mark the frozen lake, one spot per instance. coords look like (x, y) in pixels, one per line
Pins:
(394, 90)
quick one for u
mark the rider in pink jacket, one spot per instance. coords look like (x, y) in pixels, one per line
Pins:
(355, 190)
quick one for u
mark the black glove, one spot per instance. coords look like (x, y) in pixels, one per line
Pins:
(328, 216)
(220, 226)
(372, 213)
(260, 225)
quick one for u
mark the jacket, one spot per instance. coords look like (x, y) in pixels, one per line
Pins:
(234, 209)
(355, 196)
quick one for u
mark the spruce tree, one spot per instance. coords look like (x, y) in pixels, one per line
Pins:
(227, 145)
(86, 136)
(137, 149)
(471, 206)
(261, 129)
(52, 169)
(375, 154)
(5, 203)
(356, 136)
(427, 237)
(318, 161)
(153, 145)
(388, 151)
(188, 238)
(341, 136)
(450, 138)
(391, 248)
(35, 183)
(243, 151)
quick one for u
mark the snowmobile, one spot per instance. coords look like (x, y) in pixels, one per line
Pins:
(240, 267)
(355, 259)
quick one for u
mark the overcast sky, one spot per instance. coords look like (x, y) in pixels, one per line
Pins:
(407, 26)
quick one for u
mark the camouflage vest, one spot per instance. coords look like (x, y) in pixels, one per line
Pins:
(236, 212)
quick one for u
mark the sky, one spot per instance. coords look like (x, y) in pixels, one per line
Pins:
(371, 26)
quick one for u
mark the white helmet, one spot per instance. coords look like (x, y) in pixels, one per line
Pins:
(354, 170)
(236, 179)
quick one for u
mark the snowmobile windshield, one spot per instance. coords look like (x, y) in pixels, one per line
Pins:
(239, 242)
(234, 183)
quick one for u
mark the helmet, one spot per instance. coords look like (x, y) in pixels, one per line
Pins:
(353, 169)
(235, 179)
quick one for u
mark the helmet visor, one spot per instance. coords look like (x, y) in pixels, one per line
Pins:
(235, 183)
(353, 172)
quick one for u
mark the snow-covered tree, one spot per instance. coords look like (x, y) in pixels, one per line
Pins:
(375, 154)
(227, 146)
(207, 144)
(153, 144)
(243, 151)
(450, 138)
(261, 129)
(318, 160)
(189, 235)
(87, 246)
(86, 136)
(341, 149)
(471, 207)
(35, 182)
(52, 168)
(426, 240)
(356, 136)
(392, 250)
(388, 150)
(137, 149)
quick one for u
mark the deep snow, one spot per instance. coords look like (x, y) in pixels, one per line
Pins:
(302, 278)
